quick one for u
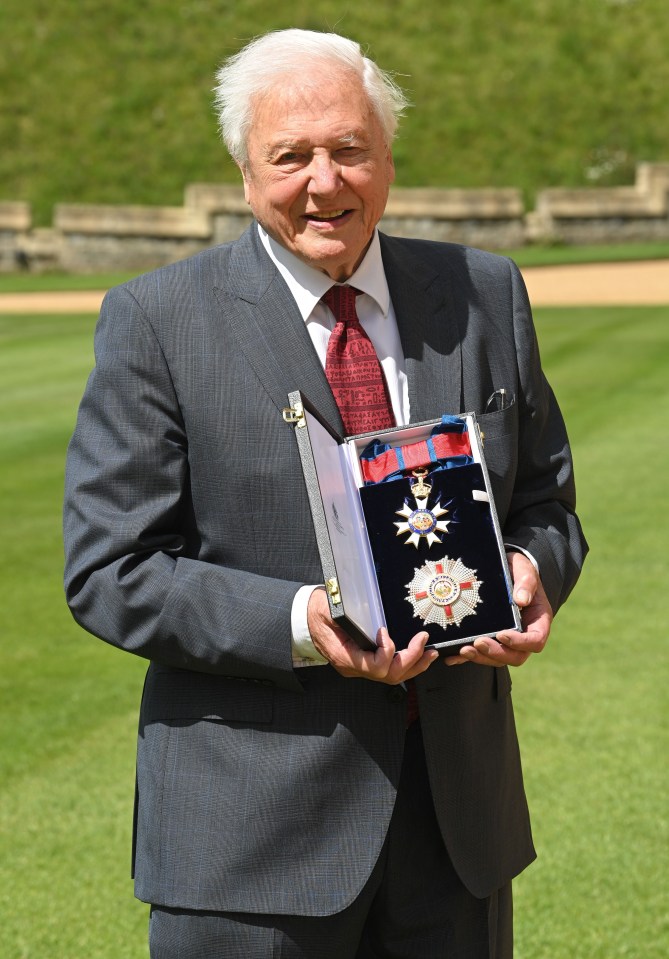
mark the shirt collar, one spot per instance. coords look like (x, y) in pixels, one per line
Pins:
(308, 285)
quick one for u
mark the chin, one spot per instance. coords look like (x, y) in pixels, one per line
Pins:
(332, 258)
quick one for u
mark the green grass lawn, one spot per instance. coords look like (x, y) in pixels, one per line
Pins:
(57, 282)
(591, 710)
(592, 713)
(68, 703)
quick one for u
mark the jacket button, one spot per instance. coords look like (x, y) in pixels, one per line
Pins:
(396, 694)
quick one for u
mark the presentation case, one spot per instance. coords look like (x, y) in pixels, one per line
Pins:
(407, 529)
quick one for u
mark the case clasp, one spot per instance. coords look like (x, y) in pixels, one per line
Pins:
(294, 414)
(332, 586)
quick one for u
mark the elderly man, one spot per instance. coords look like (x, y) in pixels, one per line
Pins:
(287, 803)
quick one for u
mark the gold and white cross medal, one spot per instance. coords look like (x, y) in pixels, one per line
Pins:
(421, 522)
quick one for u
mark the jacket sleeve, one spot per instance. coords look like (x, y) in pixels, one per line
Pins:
(132, 573)
(541, 516)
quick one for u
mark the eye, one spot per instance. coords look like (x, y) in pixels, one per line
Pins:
(288, 158)
(348, 153)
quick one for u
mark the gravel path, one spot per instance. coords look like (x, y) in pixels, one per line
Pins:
(642, 283)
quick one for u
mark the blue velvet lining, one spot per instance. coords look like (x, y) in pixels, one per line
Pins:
(470, 537)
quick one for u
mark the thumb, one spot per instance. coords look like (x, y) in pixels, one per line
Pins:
(384, 644)
(525, 579)
(522, 595)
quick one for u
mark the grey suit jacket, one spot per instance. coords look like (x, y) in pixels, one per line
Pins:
(262, 787)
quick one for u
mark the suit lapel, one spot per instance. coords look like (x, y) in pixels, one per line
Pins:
(259, 307)
(429, 331)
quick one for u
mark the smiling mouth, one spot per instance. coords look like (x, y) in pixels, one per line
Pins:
(326, 217)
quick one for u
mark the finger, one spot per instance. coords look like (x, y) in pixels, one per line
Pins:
(344, 654)
(455, 660)
(383, 664)
(487, 652)
(416, 645)
(532, 641)
(413, 660)
(383, 655)
(409, 657)
(372, 664)
(401, 675)
(537, 621)
(494, 653)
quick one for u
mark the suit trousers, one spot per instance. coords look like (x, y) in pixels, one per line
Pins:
(412, 907)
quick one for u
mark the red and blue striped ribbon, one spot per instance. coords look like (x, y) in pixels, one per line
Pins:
(447, 446)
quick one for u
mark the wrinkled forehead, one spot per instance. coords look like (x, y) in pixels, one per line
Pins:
(309, 96)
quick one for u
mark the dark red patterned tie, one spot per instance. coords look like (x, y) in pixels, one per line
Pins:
(359, 386)
(353, 369)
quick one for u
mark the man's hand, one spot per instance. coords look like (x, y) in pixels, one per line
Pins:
(511, 648)
(384, 664)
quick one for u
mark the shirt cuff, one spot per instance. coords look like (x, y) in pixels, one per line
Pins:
(519, 549)
(303, 649)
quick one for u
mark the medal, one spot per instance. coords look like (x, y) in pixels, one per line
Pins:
(444, 592)
(423, 521)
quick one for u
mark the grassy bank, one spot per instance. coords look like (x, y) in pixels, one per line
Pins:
(111, 103)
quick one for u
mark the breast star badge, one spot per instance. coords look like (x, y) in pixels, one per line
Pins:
(444, 592)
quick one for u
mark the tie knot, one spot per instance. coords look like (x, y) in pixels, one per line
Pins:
(341, 300)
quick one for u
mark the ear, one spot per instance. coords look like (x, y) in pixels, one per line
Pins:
(390, 165)
(245, 179)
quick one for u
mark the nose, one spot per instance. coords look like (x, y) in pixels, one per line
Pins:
(324, 176)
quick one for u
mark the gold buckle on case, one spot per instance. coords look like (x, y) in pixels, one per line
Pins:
(294, 414)
(332, 586)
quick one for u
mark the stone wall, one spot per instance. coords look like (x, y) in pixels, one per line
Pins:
(127, 237)
(14, 230)
(86, 238)
(625, 214)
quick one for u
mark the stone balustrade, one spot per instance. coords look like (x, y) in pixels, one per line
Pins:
(624, 214)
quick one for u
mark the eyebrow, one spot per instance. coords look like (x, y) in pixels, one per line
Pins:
(346, 139)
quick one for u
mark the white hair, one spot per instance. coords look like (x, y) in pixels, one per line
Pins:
(254, 71)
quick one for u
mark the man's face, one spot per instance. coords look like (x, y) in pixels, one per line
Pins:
(318, 170)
